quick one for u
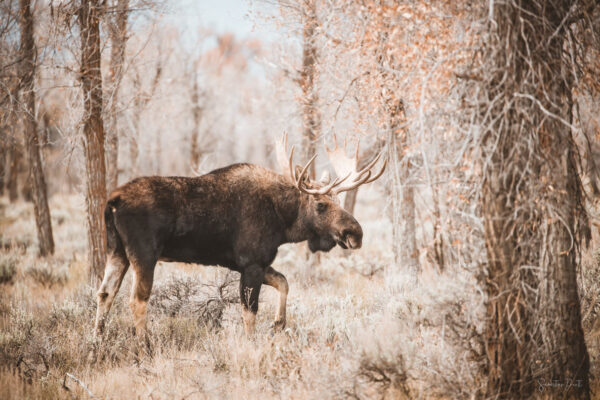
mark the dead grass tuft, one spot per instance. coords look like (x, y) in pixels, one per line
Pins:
(8, 267)
(188, 297)
(47, 275)
(387, 375)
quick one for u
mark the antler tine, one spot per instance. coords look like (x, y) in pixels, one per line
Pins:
(370, 165)
(327, 149)
(342, 164)
(303, 173)
(379, 173)
(326, 189)
(291, 164)
(354, 184)
(282, 156)
(365, 175)
(348, 177)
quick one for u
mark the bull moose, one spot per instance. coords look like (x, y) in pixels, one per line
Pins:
(235, 217)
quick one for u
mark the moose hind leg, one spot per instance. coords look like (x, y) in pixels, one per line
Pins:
(250, 282)
(140, 293)
(116, 267)
(277, 280)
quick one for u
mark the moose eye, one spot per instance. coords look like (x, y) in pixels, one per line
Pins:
(321, 207)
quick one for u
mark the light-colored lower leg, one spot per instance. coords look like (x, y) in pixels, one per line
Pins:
(138, 303)
(138, 309)
(278, 281)
(249, 321)
(113, 276)
(280, 317)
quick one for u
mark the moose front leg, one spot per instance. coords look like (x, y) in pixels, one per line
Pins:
(250, 282)
(277, 280)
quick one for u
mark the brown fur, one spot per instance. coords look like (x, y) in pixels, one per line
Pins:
(235, 217)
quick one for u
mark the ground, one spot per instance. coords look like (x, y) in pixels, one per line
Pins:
(358, 326)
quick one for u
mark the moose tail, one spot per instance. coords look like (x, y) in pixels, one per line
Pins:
(114, 244)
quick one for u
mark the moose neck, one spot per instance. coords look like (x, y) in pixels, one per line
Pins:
(291, 206)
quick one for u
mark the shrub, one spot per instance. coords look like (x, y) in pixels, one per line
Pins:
(47, 275)
(59, 341)
(387, 374)
(188, 297)
(8, 268)
(16, 245)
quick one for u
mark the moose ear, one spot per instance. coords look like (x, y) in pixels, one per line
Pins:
(306, 179)
(325, 178)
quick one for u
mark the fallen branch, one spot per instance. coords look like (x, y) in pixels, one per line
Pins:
(73, 377)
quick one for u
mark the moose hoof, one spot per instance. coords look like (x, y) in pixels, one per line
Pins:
(99, 331)
(92, 356)
(142, 345)
(277, 326)
(143, 349)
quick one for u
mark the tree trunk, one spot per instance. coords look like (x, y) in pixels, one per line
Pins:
(408, 254)
(403, 212)
(365, 158)
(93, 141)
(133, 148)
(135, 131)
(13, 163)
(14, 155)
(350, 200)
(117, 29)
(36, 173)
(197, 114)
(141, 101)
(158, 153)
(534, 218)
(508, 371)
(311, 118)
(566, 355)
(403, 201)
(4, 149)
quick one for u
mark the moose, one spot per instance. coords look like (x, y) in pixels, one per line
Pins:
(235, 217)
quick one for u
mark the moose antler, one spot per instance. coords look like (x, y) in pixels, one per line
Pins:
(286, 164)
(345, 167)
(284, 161)
(348, 167)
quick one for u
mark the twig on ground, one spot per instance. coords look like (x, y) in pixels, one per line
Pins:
(73, 377)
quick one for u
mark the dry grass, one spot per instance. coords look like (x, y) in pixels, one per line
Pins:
(357, 327)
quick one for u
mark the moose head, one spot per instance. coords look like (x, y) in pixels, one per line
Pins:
(325, 220)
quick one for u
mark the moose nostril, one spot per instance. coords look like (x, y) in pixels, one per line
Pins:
(355, 233)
